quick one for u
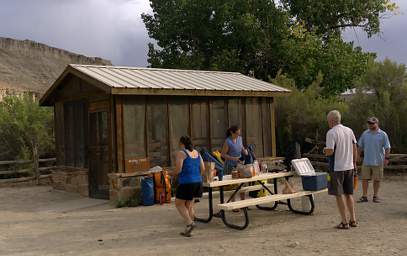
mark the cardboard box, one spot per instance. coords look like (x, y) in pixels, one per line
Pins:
(209, 166)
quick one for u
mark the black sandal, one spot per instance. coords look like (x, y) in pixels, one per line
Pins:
(343, 226)
(363, 199)
(353, 224)
(188, 230)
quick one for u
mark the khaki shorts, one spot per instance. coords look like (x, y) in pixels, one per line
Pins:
(372, 172)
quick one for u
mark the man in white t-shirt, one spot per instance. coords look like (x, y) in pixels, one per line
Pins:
(342, 150)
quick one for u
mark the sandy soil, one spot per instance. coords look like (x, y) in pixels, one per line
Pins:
(41, 221)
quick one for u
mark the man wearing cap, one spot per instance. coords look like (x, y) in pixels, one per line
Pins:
(375, 145)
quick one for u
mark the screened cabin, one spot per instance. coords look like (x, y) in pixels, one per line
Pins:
(107, 117)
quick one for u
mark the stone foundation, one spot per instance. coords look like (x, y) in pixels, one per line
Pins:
(71, 179)
(125, 189)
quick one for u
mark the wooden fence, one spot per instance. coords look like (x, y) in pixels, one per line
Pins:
(397, 162)
(19, 168)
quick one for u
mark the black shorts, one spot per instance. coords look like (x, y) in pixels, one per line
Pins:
(189, 191)
(340, 182)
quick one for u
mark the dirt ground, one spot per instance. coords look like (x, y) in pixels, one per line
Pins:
(41, 221)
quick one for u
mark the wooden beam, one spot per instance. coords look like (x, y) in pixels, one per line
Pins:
(119, 134)
(273, 128)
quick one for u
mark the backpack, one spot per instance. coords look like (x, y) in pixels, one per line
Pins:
(162, 187)
(250, 157)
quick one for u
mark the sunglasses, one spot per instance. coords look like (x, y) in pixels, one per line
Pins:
(371, 123)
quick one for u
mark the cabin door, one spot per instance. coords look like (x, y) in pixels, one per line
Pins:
(99, 159)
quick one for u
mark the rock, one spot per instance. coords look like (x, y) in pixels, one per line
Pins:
(293, 244)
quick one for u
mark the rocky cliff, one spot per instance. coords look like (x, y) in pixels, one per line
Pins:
(30, 66)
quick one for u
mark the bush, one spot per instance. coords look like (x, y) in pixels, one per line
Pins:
(303, 114)
(24, 126)
(387, 81)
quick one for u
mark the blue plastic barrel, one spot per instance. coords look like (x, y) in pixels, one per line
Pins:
(147, 191)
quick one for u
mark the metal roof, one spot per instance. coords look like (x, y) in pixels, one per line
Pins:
(152, 78)
(152, 81)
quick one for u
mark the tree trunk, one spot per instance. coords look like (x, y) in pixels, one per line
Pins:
(35, 158)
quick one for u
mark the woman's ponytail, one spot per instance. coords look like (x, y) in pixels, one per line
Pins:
(186, 141)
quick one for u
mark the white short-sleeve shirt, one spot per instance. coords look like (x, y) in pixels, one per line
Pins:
(341, 139)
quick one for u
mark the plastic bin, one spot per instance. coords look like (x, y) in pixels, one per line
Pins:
(311, 180)
(315, 182)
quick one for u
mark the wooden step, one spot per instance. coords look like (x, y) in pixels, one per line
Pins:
(264, 200)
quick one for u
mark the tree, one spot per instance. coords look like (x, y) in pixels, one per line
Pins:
(326, 17)
(25, 128)
(387, 81)
(256, 38)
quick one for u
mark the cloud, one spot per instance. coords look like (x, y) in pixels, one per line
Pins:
(390, 43)
(109, 29)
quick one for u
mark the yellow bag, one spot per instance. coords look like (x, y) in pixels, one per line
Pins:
(218, 156)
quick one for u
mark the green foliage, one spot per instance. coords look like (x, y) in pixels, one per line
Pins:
(387, 81)
(303, 113)
(23, 124)
(381, 92)
(326, 17)
(305, 57)
(252, 37)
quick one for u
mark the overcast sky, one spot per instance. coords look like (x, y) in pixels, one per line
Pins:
(112, 29)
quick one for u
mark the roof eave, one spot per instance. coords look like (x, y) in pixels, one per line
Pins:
(187, 92)
(46, 99)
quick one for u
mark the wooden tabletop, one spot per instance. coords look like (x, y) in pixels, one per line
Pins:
(227, 179)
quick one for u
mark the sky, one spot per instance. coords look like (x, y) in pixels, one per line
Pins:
(113, 29)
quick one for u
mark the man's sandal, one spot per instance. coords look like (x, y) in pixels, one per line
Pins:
(343, 226)
(363, 199)
(353, 224)
(376, 199)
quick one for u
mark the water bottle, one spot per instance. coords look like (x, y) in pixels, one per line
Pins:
(220, 175)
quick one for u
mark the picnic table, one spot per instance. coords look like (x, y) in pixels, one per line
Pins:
(273, 197)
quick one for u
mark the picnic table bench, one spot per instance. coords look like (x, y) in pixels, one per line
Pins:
(273, 197)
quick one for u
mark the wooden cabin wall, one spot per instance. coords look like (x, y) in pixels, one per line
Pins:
(199, 122)
(179, 124)
(153, 125)
(72, 99)
(59, 133)
(218, 122)
(75, 133)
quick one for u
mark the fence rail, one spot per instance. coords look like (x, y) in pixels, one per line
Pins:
(17, 168)
(397, 162)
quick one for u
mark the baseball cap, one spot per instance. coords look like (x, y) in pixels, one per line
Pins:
(373, 120)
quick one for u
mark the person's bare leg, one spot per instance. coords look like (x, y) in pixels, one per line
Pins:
(340, 201)
(191, 210)
(365, 186)
(350, 203)
(376, 187)
(183, 210)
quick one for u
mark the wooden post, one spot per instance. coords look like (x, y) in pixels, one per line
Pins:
(35, 161)
(273, 128)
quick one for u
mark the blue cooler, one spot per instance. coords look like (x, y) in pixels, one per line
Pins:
(315, 182)
(311, 180)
